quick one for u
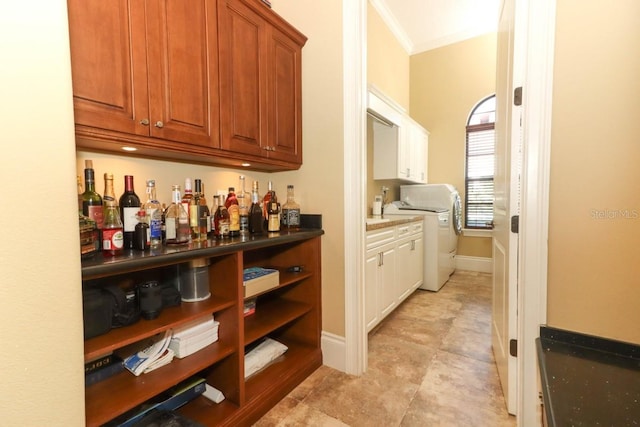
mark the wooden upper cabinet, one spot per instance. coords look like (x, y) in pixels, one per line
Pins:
(260, 60)
(145, 68)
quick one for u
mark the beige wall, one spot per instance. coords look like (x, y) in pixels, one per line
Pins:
(446, 83)
(41, 354)
(594, 222)
(387, 70)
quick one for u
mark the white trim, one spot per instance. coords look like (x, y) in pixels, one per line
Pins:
(334, 351)
(534, 218)
(472, 232)
(474, 263)
(394, 26)
(354, 56)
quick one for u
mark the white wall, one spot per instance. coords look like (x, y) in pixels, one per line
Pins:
(41, 363)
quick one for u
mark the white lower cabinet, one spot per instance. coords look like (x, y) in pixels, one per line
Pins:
(393, 268)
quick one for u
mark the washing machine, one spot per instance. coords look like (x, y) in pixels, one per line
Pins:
(440, 206)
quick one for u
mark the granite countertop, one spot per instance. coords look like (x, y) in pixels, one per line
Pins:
(390, 221)
(588, 381)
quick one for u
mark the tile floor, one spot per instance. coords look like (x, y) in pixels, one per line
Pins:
(430, 364)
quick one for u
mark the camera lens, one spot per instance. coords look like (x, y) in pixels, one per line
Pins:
(150, 297)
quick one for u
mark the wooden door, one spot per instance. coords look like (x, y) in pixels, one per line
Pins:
(243, 84)
(183, 71)
(285, 98)
(108, 63)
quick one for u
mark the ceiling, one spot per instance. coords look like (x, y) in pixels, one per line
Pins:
(421, 25)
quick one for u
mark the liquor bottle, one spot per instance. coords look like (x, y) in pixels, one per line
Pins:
(274, 215)
(80, 191)
(176, 220)
(112, 230)
(256, 219)
(290, 211)
(91, 201)
(141, 233)
(204, 223)
(154, 214)
(186, 198)
(192, 210)
(244, 202)
(212, 217)
(222, 219)
(265, 204)
(234, 213)
(129, 207)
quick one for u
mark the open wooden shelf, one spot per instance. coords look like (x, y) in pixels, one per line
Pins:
(270, 316)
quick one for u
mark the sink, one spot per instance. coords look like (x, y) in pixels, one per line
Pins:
(371, 221)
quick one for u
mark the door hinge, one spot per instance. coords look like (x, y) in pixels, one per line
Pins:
(515, 223)
(513, 348)
(517, 96)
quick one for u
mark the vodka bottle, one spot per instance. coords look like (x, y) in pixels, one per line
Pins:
(154, 214)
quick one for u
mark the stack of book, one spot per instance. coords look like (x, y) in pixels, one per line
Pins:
(194, 336)
(154, 354)
(102, 368)
(258, 279)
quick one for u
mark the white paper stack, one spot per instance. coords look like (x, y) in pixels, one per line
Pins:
(194, 336)
(262, 355)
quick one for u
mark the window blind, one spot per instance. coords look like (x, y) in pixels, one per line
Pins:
(479, 176)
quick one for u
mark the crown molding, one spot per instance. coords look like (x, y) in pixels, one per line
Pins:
(392, 23)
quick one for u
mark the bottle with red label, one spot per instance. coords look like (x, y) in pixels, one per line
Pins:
(91, 201)
(112, 230)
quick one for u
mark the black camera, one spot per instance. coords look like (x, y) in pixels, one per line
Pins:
(150, 299)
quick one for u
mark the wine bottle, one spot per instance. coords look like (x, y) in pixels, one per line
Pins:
(290, 211)
(129, 207)
(256, 219)
(154, 214)
(91, 201)
(176, 220)
(234, 213)
(112, 229)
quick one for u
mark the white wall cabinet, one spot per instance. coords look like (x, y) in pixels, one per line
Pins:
(393, 268)
(400, 144)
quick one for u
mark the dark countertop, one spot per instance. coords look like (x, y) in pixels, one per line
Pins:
(393, 221)
(588, 381)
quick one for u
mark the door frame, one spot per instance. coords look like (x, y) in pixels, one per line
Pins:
(534, 223)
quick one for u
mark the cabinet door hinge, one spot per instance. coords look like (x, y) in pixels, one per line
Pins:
(513, 348)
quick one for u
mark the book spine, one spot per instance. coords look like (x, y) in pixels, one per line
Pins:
(103, 373)
(99, 363)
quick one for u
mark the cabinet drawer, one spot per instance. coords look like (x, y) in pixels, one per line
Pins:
(377, 238)
(415, 227)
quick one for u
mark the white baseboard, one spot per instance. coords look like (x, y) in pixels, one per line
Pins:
(334, 352)
(474, 263)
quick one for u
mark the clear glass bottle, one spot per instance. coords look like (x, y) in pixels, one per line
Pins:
(244, 202)
(187, 196)
(265, 204)
(234, 213)
(256, 219)
(129, 207)
(112, 230)
(91, 201)
(176, 220)
(153, 210)
(290, 211)
(222, 219)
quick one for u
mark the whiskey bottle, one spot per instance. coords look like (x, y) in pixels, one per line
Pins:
(221, 218)
(193, 212)
(256, 219)
(234, 213)
(186, 197)
(244, 202)
(265, 204)
(154, 214)
(91, 201)
(129, 207)
(176, 220)
(290, 211)
(274, 215)
(202, 212)
(112, 231)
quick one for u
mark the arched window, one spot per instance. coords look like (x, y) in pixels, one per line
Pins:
(480, 155)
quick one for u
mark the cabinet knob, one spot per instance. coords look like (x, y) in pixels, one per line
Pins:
(159, 124)
(144, 122)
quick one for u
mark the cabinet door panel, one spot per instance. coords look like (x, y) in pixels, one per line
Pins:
(371, 285)
(108, 64)
(242, 79)
(286, 96)
(182, 73)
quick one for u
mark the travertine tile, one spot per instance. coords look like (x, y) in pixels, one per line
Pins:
(399, 358)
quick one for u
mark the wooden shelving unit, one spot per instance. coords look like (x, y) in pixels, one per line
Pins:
(289, 313)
